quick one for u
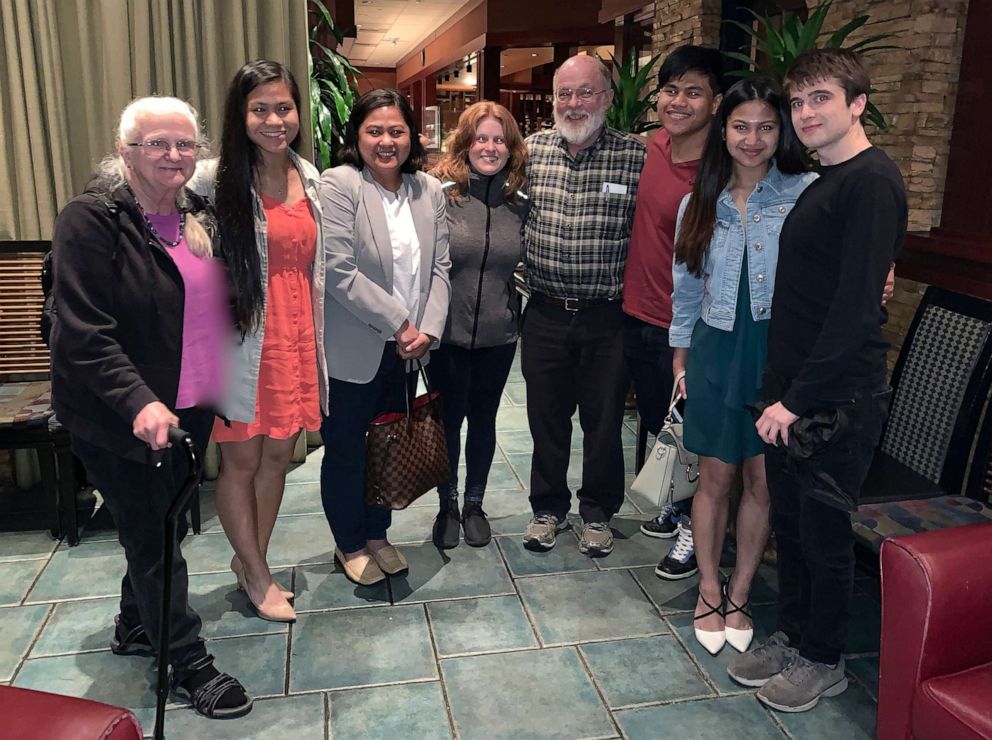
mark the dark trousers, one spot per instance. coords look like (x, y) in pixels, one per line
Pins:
(812, 524)
(471, 383)
(138, 496)
(649, 362)
(575, 359)
(342, 472)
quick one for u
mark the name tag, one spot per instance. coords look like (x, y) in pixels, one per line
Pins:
(614, 188)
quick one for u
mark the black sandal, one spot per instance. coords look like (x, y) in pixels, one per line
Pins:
(213, 694)
(132, 641)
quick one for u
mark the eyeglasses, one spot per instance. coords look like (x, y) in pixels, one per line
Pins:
(584, 94)
(158, 148)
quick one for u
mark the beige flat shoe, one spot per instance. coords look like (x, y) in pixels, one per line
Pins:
(391, 561)
(369, 575)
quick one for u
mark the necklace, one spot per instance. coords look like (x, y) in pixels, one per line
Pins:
(151, 226)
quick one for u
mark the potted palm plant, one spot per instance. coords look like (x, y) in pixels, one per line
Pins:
(777, 48)
(632, 98)
(333, 80)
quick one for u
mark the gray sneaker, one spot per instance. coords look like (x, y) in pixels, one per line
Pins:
(799, 687)
(596, 539)
(759, 664)
(541, 533)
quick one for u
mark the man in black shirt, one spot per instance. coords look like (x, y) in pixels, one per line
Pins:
(826, 376)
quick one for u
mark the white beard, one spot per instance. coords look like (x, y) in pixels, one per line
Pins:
(576, 131)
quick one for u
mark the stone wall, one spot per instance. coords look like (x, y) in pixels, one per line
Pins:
(915, 87)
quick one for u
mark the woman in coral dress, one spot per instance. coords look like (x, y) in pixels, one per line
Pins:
(269, 220)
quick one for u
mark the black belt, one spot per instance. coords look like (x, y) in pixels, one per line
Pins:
(570, 304)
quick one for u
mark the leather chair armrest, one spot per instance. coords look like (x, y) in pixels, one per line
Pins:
(936, 615)
(29, 714)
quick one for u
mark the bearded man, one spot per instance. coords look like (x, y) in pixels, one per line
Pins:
(582, 179)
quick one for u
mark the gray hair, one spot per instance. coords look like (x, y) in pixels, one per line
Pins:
(604, 71)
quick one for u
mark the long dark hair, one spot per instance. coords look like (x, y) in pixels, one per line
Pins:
(382, 98)
(235, 198)
(717, 165)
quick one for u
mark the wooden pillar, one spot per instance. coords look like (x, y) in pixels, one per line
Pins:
(489, 85)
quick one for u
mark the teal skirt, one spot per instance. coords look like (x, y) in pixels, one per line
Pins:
(723, 373)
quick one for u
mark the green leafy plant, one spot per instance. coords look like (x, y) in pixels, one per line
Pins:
(333, 81)
(778, 48)
(630, 102)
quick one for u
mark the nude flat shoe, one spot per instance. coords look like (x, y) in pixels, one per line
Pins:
(370, 575)
(391, 561)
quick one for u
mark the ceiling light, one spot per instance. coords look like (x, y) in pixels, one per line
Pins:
(446, 77)
(468, 67)
(533, 54)
(456, 73)
(394, 41)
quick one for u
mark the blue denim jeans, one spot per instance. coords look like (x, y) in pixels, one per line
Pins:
(342, 472)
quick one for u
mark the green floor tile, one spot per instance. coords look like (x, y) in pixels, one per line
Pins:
(577, 607)
(850, 715)
(76, 626)
(643, 670)
(258, 662)
(563, 558)
(411, 712)
(296, 717)
(16, 579)
(84, 571)
(18, 625)
(480, 625)
(26, 545)
(326, 587)
(531, 694)
(361, 647)
(451, 574)
(709, 719)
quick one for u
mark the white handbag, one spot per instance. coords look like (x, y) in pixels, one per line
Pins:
(670, 472)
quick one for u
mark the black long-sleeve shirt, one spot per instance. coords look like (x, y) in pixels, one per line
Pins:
(835, 251)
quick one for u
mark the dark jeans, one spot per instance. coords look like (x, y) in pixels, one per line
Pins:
(575, 359)
(470, 382)
(342, 472)
(138, 496)
(813, 530)
(649, 361)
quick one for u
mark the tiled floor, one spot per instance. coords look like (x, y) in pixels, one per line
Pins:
(496, 642)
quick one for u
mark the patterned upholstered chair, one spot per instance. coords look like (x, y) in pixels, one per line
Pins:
(928, 472)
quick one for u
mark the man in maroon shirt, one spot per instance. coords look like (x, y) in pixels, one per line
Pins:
(691, 80)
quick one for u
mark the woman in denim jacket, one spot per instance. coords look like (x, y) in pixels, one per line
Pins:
(726, 249)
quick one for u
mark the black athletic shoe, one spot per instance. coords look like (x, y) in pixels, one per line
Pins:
(665, 525)
(476, 526)
(447, 525)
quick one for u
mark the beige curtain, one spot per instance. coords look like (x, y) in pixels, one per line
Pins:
(70, 66)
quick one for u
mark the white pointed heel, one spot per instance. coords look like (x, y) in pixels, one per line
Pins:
(712, 641)
(740, 640)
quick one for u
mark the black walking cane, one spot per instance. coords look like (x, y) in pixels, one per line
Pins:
(180, 438)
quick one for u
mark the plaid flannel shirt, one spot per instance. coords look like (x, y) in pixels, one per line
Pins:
(581, 208)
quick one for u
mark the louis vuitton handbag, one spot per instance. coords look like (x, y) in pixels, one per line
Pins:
(670, 472)
(405, 453)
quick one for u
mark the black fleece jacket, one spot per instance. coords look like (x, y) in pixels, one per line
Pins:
(117, 339)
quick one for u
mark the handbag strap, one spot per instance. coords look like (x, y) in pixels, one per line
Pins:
(410, 391)
(675, 397)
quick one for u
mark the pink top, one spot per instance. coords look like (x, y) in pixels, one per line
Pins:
(204, 318)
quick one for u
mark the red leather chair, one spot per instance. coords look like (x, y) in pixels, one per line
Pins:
(935, 676)
(30, 715)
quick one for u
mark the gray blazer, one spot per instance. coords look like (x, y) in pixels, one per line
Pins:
(360, 312)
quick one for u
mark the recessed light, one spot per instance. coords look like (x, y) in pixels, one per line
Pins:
(533, 54)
